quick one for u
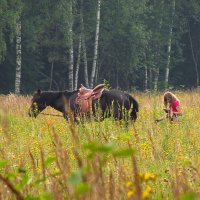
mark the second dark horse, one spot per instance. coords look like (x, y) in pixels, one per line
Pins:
(118, 104)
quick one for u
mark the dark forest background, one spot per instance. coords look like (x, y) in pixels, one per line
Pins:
(140, 44)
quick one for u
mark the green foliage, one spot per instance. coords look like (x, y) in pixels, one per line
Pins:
(106, 84)
(10, 12)
(133, 35)
(123, 153)
(82, 189)
(189, 196)
(49, 161)
(3, 163)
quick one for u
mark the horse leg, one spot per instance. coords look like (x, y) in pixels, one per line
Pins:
(116, 111)
(65, 116)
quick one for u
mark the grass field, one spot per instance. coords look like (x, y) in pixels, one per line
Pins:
(47, 158)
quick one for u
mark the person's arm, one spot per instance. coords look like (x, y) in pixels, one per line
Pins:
(162, 118)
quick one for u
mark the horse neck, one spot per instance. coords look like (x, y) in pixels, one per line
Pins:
(50, 98)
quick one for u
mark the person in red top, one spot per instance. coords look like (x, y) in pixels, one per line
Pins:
(172, 107)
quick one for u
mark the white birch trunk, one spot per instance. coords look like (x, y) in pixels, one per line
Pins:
(169, 46)
(194, 59)
(96, 45)
(145, 72)
(18, 58)
(85, 63)
(77, 64)
(71, 52)
(97, 73)
(84, 48)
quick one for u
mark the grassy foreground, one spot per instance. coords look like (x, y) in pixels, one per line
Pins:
(47, 158)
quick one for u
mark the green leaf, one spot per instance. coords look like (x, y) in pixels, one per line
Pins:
(37, 182)
(25, 181)
(43, 196)
(49, 161)
(82, 189)
(32, 198)
(11, 176)
(104, 148)
(124, 137)
(188, 196)
(75, 177)
(3, 163)
(123, 153)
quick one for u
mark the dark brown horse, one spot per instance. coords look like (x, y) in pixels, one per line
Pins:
(112, 103)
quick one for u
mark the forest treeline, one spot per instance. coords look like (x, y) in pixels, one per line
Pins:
(132, 44)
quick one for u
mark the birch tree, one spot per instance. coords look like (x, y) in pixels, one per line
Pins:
(18, 58)
(194, 58)
(94, 66)
(71, 51)
(85, 62)
(84, 47)
(77, 64)
(169, 44)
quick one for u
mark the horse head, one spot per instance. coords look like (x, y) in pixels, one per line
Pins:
(38, 104)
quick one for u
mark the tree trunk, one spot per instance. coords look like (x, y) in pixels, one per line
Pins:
(145, 72)
(85, 63)
(18, 58)
(194, 59)
(71, 51)
(97, 73)
(51, 76)
(156, 75)
(96, 45)
(146, 78)
(77, 64)
(151, 79)
(84, 48)
(169, 46)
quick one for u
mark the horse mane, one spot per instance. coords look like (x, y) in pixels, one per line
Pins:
(69, 93)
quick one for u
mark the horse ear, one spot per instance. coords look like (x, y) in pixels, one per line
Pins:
(39, 91)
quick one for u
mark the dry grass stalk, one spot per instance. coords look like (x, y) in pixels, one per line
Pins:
(43, 167)
(33, 162)
(137, 180)
(181, 184)
(111, 187)
(18, 194)
(152, 144)
(135, 133)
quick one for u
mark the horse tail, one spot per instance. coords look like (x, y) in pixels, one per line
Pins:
(134, 106)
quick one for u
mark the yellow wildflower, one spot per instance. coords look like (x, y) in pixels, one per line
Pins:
(129, 184)
(149, 176)
(130, 193)
(147, 192)
(141, 175)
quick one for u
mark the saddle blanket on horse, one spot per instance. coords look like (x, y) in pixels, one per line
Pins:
(87, 96)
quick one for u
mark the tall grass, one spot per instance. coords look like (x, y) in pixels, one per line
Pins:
(48, 158)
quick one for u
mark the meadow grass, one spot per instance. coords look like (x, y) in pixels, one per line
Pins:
(48, 158)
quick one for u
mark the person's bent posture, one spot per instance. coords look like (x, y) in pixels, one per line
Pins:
(172, 108)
